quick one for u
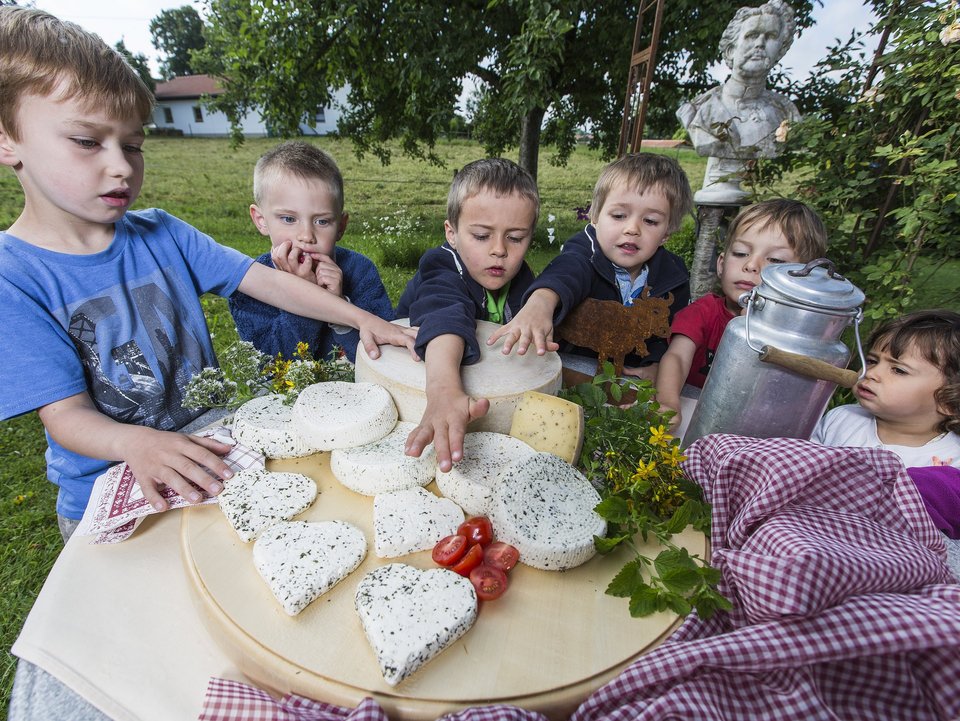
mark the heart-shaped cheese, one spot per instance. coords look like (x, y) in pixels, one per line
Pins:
(301, 561)
(470, 482)
(255, 498)
(545, 507)
(382, 466)
(412, 520)
(409, 615)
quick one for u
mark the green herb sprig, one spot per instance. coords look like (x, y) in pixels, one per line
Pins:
(629, 455)
(245, 372)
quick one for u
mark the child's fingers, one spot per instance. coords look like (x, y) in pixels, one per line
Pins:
(151, 494)
(418, 439)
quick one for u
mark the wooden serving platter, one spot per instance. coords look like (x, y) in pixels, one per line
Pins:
(545, 645)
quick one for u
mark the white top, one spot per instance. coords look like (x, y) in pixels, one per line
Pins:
(853, 426)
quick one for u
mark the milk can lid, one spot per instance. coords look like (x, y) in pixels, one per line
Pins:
(816, 284)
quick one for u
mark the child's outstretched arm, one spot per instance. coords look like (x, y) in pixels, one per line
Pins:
(156, 458)
(672, 373)
(299, 296)
(449, 409)
(533, 324)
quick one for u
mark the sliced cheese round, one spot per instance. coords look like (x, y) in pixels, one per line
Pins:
(265, 424)
(301, 561)
(343, 415)
(382, 466)
(470, 482)
(500, 378)
(412, 520)
(544, 507)
(255, 498)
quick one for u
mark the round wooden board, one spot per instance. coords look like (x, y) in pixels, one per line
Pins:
(548, 643)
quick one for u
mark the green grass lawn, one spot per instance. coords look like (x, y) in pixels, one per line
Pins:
(395, 211)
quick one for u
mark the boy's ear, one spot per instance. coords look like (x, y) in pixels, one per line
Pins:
(720, 265)
(344, 220)
(258, 220)
(8, 150)
(451, 233)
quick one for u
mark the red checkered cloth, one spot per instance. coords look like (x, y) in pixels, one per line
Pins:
(843, 605)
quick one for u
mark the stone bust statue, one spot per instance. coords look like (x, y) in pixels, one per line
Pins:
(738, 120)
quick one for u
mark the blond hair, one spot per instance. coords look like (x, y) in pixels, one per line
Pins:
(802, 228)
(642, 172)
(502, 176)
(300, 160)
(39, 53)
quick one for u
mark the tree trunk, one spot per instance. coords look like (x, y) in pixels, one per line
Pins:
(530, 140)
(712, 222)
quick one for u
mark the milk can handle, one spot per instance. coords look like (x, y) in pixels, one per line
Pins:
(817, 263)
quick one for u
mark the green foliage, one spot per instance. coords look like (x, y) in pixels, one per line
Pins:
(882, 168)
(628, 453)
(138, 62)
(177, 33)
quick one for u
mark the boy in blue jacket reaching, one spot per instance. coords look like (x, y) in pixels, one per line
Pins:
(638, 202)
(298, 194)
(479, 273)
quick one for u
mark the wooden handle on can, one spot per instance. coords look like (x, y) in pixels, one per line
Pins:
(811, 367)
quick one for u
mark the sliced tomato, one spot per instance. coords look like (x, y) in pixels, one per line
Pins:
(489, 582)
(449, 550)
(501, 555)
(478, 529)
(470, 561)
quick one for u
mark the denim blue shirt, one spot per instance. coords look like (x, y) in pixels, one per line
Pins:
(630, 290)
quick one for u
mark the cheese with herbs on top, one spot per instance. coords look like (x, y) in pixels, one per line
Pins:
(549, 424)
(410, 615)
(265, 424)
(255, 498)
(412, 520)
(469, 483)
(382, 466)
(337, 414)
(545, 508)
(301, 561)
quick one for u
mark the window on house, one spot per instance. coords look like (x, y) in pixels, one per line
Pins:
(319, 117)
(167, 115)
(197, 114)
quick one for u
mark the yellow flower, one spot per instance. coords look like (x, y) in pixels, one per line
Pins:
(644, 470)
(674, 457)
(303, 349)
(659, 436)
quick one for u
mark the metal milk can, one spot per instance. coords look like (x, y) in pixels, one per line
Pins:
(779, 362)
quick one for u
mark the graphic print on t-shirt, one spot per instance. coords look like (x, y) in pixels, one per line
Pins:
(711, 353)
(116, 350)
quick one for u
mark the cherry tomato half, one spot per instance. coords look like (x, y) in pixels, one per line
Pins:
(470, 561)
(501, 555)
(449, 550)
(489, 582)
(478, 529)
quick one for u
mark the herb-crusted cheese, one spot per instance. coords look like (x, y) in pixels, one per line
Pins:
(485, 454)
(343, 415)
(301, 561)
(549, 424)
(382, 466)
(255, 498)
(412, 520)
(544, 507)
(409, 615)
(265, 423)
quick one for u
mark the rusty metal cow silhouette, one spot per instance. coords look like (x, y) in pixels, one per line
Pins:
(614, 330)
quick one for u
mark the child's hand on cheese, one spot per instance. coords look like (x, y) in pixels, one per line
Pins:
(445, 422)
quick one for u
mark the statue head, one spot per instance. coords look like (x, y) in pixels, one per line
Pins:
(757, 38)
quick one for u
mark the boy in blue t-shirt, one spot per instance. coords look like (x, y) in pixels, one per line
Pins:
(638, 201)
(298, 194)
(101, 304)
(479, 273)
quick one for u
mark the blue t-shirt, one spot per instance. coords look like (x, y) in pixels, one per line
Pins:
(125, 325)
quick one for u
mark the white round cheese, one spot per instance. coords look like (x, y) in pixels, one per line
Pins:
(544, 507)
(265, 424)
(343, 415)
(470, 482)
(500, 378)
(382, 466)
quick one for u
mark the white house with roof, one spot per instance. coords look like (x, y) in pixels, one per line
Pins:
(179, 108)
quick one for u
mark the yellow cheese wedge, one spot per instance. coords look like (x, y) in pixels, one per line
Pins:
(549, 424)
